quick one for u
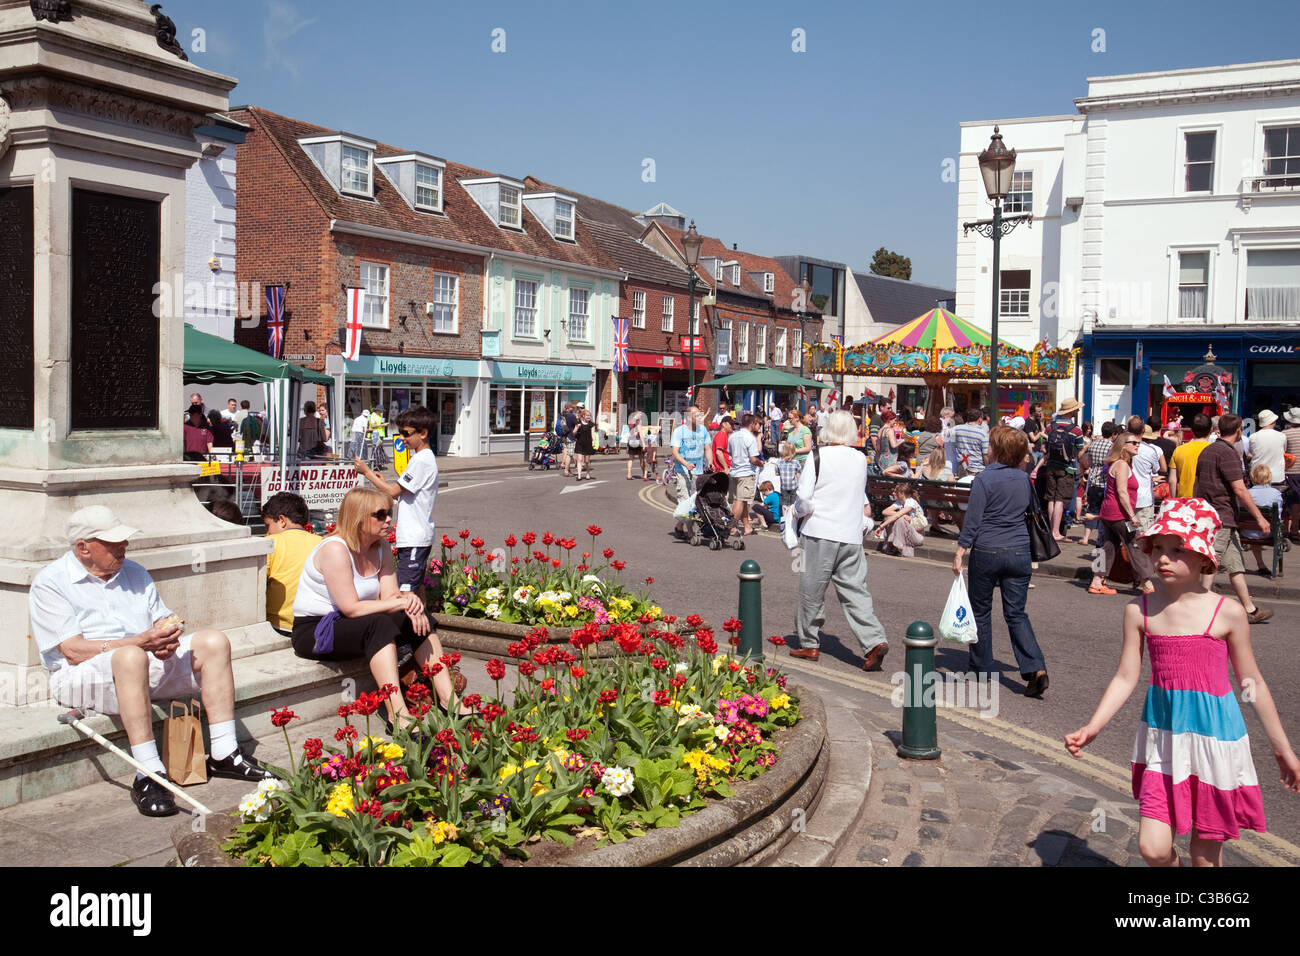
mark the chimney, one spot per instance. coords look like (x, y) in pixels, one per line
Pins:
(735, 246)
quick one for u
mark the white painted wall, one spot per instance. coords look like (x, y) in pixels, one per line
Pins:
(210, 300)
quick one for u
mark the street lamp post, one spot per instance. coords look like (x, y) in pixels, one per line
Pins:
(997, 164)
(691, 243)
(801, 310)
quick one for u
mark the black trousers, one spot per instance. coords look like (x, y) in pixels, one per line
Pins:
(355, 636)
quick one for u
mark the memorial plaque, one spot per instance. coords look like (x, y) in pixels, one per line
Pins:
(114, 334)
(17, 273)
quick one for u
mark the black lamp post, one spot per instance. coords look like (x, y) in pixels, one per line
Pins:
(691, 243)
(801, 301)
(997, 164)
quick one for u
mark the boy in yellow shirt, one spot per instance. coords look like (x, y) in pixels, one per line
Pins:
(285, 516)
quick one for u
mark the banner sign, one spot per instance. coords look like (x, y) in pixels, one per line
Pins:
(321, 486)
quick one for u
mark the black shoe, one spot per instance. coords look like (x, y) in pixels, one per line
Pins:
(238, 766)
(1036, 685)
(153, 799)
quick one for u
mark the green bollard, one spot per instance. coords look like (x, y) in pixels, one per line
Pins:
(750, 610)
(920, 724)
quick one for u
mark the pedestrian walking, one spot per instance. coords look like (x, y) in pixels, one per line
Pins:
(997, 537)
(360, 424)
(1119, 518)
(832, 495)
(1220, 481)
(1192, 767)
(636, 444)
(1182, 467)
(743, 448)
(583, 448)
(198, 437)
(689, 442)
(1093, 458)
(310, 442)
(1060, 471)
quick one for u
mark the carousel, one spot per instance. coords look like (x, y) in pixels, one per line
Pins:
(938, 348)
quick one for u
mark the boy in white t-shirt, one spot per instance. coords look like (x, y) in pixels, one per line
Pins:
(416, 491)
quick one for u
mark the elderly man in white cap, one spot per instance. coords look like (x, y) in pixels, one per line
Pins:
(1268, 446)
(111, 644)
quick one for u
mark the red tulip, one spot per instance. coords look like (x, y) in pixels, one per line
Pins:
(281, 718)
(593, 530)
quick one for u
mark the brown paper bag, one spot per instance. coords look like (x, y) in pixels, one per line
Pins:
(183, 756)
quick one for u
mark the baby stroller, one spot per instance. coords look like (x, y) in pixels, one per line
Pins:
(544, 452)
(711, 519)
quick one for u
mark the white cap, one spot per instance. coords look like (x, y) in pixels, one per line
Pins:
(97, 522)
(580, 405)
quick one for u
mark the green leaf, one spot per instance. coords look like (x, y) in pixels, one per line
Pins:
(455, 855)
(669, 819)
(562, 837)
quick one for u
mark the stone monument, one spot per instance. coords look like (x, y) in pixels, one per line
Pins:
(98, 108)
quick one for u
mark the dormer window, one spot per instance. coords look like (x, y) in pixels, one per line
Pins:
(345, 160)
(418, 179)
(735, 274)
(769, 282)
(356, 170)
(500, 198)
(563, 219)
(713, 265)
(509, 215)
(428, 186)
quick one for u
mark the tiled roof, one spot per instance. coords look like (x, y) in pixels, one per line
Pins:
(749, 262)
(463, 219)
(617, 231)
(895, 301)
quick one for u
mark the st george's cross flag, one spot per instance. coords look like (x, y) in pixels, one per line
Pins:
(356, 307)
(620, 344)
(275, 320)
(1169, 388)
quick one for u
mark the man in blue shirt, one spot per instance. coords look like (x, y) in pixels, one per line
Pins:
(689, 442)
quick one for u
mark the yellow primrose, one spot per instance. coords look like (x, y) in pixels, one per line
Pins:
(571, 610)
(340, 800)
(537, 789)
(509, 770)
(780, 702)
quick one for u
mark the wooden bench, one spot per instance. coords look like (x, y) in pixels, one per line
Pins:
(935, 496)
(1276, 540)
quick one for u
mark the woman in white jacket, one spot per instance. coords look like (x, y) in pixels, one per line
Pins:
(833, 494)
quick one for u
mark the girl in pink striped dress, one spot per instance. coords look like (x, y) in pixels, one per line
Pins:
(1192, 769)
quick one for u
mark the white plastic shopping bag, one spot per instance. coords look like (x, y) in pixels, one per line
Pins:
(685, 507)
(790, 533)
(958, 621)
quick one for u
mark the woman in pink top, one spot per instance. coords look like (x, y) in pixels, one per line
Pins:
(1117, 510)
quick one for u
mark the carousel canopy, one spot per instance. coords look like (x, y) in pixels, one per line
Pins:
(937, 328)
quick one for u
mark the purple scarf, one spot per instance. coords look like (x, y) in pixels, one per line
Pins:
(325, 633)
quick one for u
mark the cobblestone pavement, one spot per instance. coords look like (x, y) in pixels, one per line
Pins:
(990, 800)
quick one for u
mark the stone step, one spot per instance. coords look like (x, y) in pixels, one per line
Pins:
(40, 757)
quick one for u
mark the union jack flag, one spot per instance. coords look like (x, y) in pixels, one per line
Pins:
(275, 319)
(620, 345)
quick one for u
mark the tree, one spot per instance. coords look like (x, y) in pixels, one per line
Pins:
(892, 264)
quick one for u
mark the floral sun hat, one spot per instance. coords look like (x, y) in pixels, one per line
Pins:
(1192, 519)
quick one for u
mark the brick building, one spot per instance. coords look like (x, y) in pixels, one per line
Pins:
(482, 302)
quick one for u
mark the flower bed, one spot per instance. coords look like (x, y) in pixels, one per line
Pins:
(606, 747)
(538, 586)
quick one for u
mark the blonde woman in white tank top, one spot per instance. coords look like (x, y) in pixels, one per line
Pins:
(348, 603)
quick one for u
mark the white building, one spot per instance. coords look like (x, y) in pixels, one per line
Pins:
(210, 296)
(1166, 223)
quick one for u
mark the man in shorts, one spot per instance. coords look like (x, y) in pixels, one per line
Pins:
(110, 644)
(746, 457)
(1064, 442)
(1220, 481)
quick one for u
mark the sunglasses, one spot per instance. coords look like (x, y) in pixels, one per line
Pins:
(1134, 441)
(382, 514)
(405, 432)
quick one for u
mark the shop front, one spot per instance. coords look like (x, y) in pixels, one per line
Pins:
(394, 383)
(523, 399)
(656, 383)
(1124, 371)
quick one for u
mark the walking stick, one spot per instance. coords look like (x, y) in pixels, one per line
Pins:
(74, 717)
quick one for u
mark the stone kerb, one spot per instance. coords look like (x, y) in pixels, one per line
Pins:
(483, 638)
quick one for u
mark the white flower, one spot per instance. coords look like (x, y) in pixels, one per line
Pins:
(593, 581)
(492, 594)
(689, 712)
(681, 666)
(492, 610)
(521, 595)
(618, 781)
(720, 731)
(261, 816)
(252, 804)
(549, 596)
(270, 786)
(564, 597)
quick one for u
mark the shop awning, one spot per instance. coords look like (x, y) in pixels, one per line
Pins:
(666, 360)
(210, 359)
(764, 378)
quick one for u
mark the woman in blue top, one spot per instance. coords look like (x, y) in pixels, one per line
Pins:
(997, 537)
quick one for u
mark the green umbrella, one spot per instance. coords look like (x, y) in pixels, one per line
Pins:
(210, 359)
(763, 378)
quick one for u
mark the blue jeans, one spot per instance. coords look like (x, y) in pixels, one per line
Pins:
(1008, 569)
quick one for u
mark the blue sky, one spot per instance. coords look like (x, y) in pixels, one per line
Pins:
(832, 152)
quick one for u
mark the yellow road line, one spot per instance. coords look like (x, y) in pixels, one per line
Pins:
(1274, 851)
